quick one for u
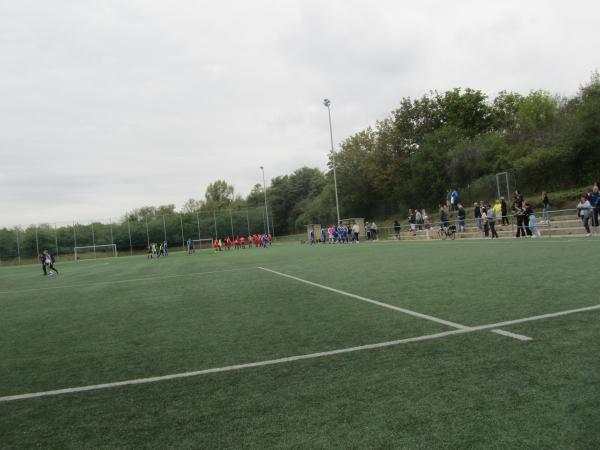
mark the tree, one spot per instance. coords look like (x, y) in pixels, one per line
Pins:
(219, 192)
(192, 206)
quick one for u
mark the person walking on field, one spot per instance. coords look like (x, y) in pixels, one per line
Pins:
(584, 211)
(49, 263)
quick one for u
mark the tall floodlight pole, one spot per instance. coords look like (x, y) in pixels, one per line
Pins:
(327, 103)
(265, 191)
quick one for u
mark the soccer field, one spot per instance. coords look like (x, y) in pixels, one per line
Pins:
(389, 344)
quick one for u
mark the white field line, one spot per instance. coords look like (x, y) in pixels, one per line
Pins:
(130, 280)
(230, 368)
(533, 318)
(291, 358)
(520, 337)
(395, 308)
(368, 300)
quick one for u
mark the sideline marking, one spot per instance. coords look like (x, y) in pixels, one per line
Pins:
(520, 337)
(269, 362)
(368, 300)
(130, 280)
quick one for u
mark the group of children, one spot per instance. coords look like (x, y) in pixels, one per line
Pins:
(158, 250)
(341, 234)
(258, 240)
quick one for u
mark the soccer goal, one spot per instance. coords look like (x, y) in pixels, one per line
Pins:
(202, 243)
(94, 251)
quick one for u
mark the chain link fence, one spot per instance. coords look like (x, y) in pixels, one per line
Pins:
(23, 244)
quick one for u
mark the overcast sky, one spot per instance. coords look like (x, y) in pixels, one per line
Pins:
(109, 105)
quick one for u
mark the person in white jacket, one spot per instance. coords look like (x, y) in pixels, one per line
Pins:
(584, 210)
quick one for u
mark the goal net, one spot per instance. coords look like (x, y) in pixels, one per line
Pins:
(94, 251)
(202, 243)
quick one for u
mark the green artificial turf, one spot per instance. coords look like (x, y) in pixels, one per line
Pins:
(125, 318)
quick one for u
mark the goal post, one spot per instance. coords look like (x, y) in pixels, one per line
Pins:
(94, 251)
(202, 243)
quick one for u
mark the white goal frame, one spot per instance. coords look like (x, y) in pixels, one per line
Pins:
(93, 248)
(198, 243)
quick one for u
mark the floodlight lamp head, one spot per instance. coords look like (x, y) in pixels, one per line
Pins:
(327, 102)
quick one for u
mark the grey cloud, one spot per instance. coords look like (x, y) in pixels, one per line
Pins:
(117, 105)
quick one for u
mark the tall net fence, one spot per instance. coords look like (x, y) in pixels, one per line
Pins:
(489, 188)
(22, 244)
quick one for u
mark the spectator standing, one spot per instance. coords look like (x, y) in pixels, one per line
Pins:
(504, 211)
(418, 219)
(444, 217)
(519, 214)
(491, 219)
(594, 199)
(461, 217)
(546, 206)
(412, 220)
(535, 232)
(498, 208)
(477, 215)
(355, 232)
(374, 231)
(426, 224)
(484, 218)
(397, 229)
(454, 199)
(584, 211)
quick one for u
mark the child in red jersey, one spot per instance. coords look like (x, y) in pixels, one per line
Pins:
(228, 243)
(216, 245)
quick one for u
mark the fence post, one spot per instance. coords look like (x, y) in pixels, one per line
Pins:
(231, 222)
(164, 228)
(74, 242)
(129, 233)
(93, 240)
(112, 239)
(198, 222)
(37, 245)
(56, 238)
(147, 233)
(215, 217)
(18, 246)
(182, 238)
(248, 221)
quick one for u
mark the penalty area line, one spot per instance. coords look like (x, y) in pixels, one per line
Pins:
(427, 337)
(387, 305)
(368, 300)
